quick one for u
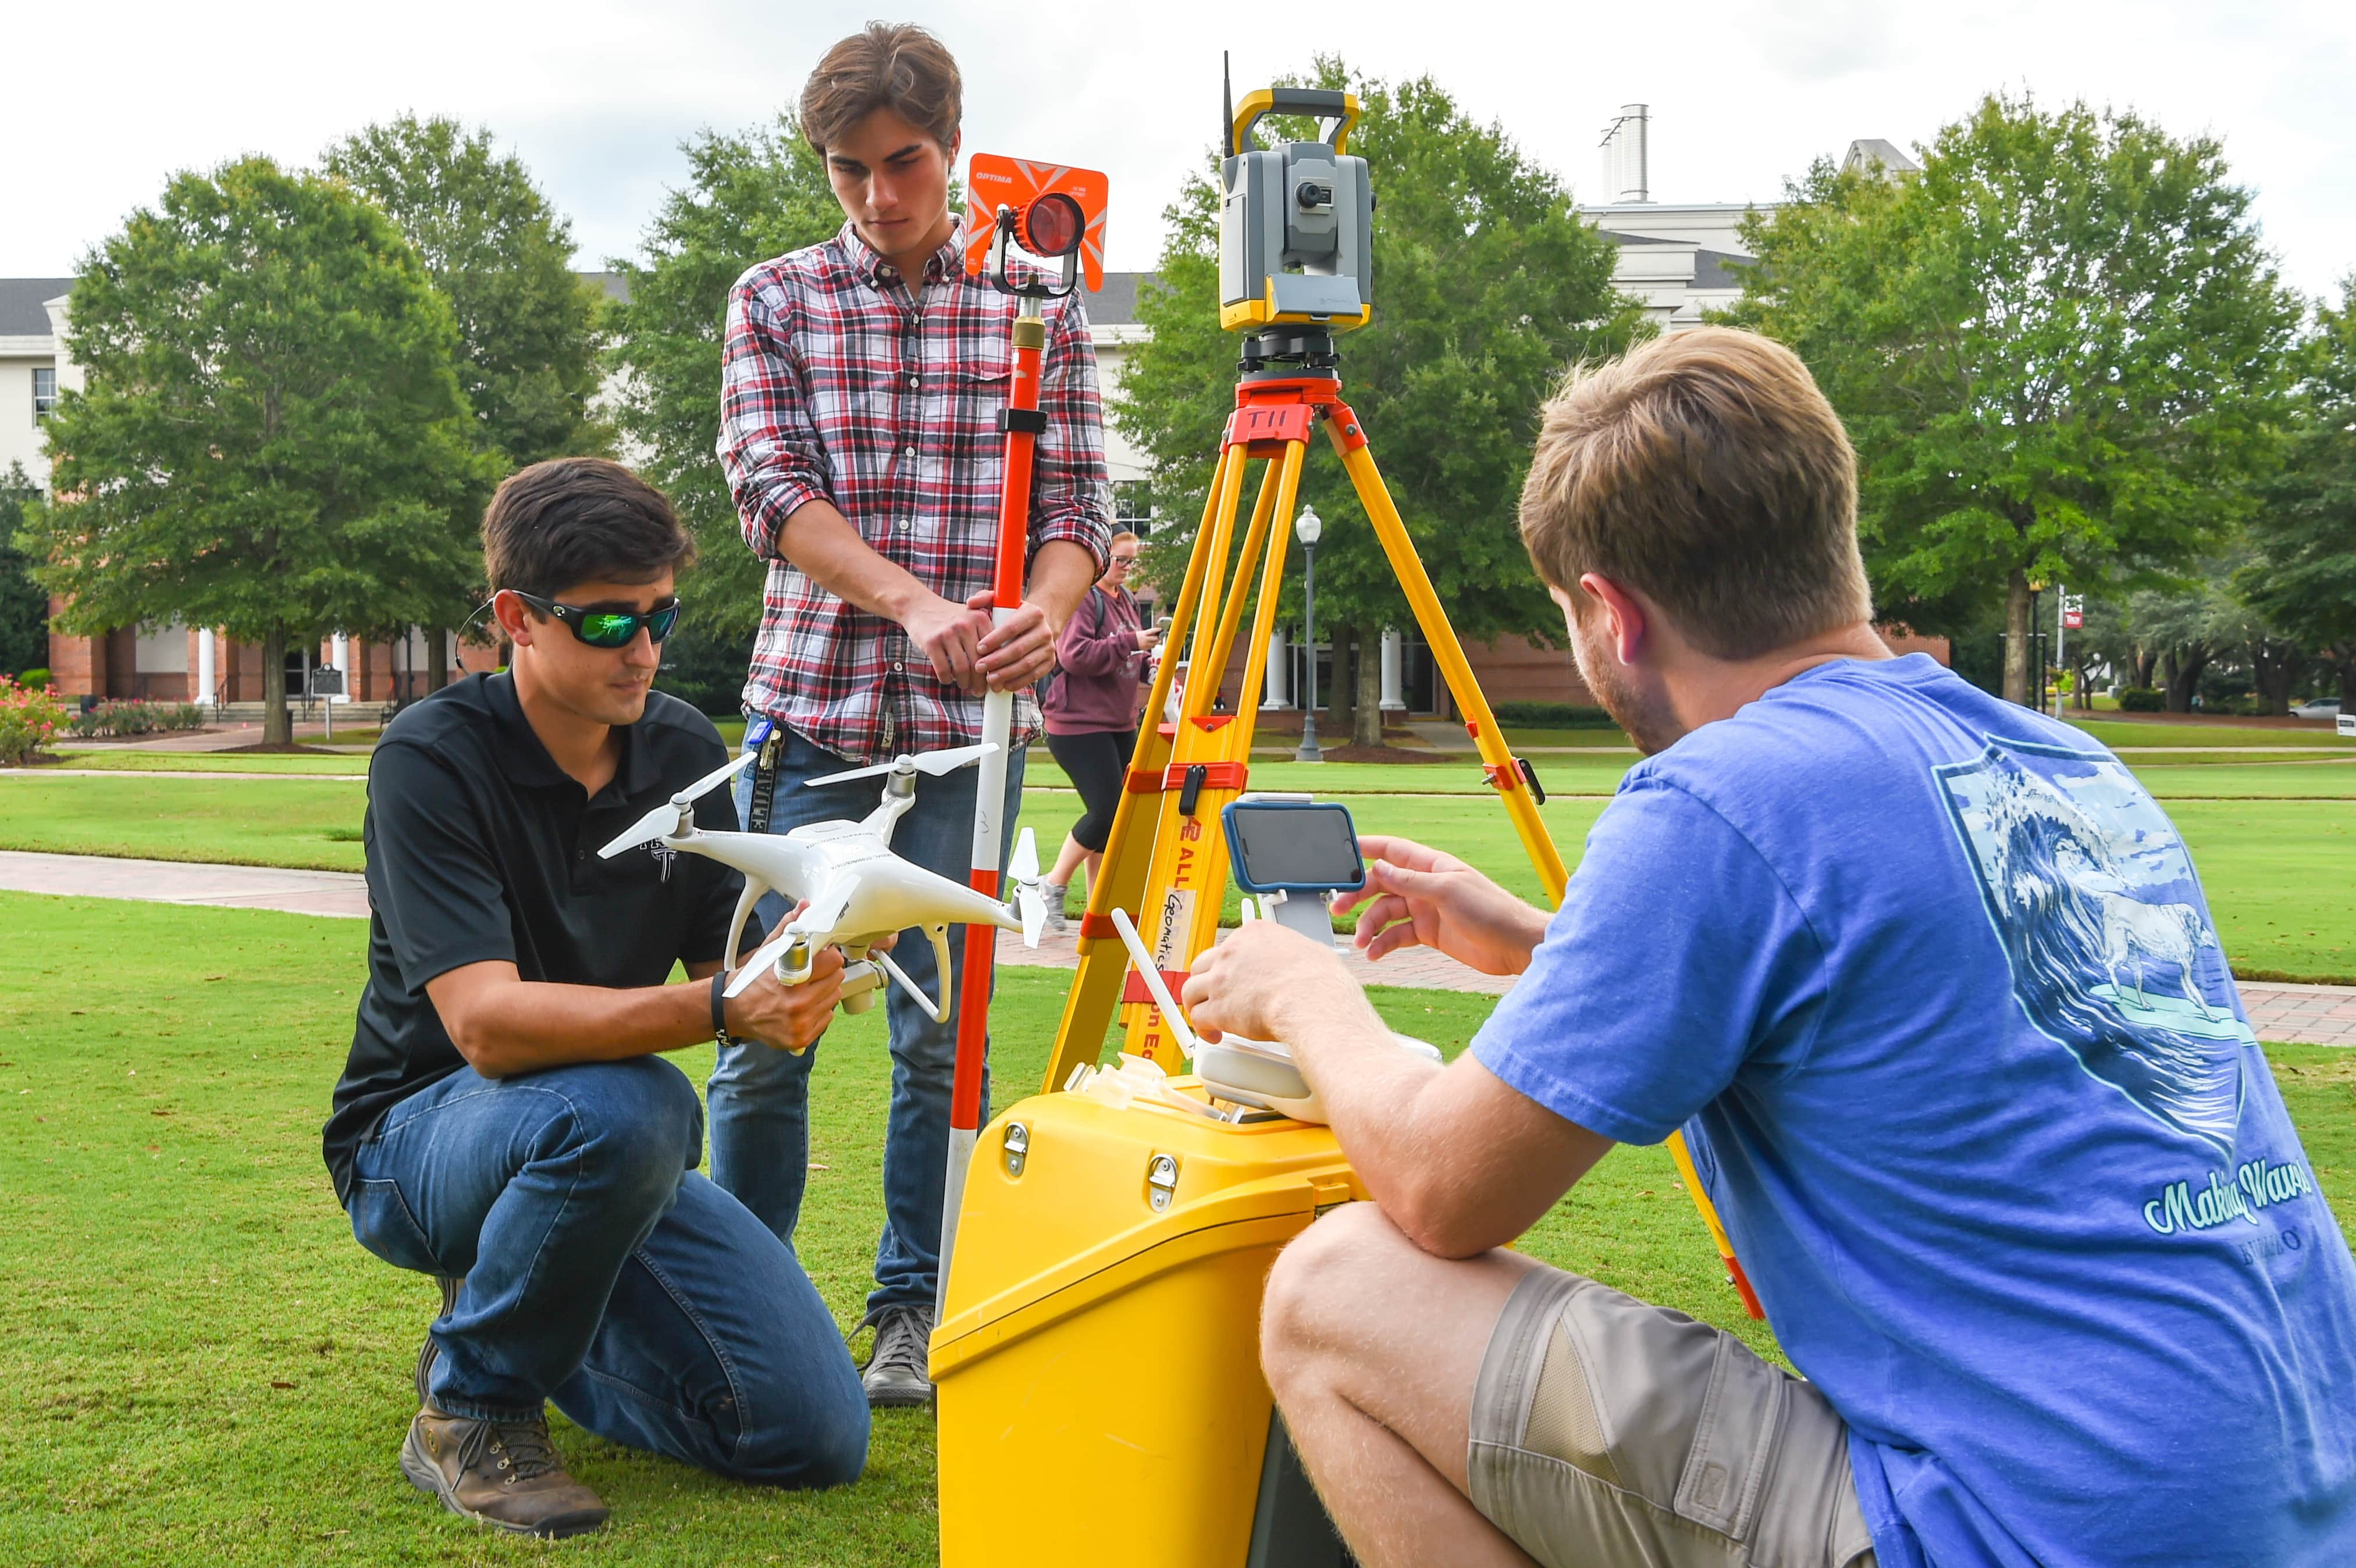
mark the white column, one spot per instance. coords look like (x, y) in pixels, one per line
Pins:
(1392, 645)
(204, 692)
(1279, 684)
(340, 657)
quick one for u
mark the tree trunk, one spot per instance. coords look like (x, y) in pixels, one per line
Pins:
(438, 661)
(1339, 691)
(2182, 669)
(2343, 655)
(277, 724)
(2016, 637)
(1366, 727)
(2272, 667)
(2146, 662)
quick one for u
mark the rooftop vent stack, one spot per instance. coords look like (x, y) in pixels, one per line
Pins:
(1627, 156)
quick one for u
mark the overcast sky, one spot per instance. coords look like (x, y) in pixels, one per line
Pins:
(596, 95)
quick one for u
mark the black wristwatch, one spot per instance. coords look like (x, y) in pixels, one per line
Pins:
(720, 1008)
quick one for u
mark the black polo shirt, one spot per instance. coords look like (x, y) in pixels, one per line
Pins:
(480, 848)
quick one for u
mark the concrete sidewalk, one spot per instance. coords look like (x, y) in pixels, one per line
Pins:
(2306, 1014)
(343, 894)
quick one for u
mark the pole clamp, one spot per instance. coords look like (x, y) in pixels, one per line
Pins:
(1503, 776)
(1028, 421)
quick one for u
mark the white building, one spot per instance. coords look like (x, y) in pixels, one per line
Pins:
(32, 317)
(1681, 259)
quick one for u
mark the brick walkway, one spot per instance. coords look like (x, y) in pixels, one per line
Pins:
(2306, 1015)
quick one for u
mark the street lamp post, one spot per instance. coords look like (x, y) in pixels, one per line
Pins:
(1306, 527)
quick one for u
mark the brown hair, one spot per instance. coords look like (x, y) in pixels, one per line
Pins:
(888, 65)
(579, 519)
(1706, 472)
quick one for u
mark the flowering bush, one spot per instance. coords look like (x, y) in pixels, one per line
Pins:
(123, 718)
(28, 717)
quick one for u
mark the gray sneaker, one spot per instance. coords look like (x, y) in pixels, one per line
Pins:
(1058, 922)
(429, 1353)
(898, 1366)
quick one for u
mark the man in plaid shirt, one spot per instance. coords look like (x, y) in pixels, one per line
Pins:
(861, 384)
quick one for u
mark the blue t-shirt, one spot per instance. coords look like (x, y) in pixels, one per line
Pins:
(1930, 982)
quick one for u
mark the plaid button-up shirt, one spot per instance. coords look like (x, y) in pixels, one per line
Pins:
(840, 382)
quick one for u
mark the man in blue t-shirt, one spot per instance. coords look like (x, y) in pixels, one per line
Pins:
(1928, 981)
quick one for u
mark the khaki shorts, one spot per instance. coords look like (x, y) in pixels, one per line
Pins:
(1606, 1431)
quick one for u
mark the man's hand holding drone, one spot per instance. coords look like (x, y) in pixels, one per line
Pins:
(791, 1018)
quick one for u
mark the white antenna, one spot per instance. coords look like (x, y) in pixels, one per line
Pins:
(1627, 156)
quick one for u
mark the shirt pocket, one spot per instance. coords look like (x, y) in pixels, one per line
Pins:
(974, 389)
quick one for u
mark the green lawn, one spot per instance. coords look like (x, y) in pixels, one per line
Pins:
(1457, 774)
(311, 823)
(2152, 732)
(198, 1365)
(212, 762)
(2239, 778)
(2280, 873)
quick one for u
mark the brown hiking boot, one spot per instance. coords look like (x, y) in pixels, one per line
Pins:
(504, 1474)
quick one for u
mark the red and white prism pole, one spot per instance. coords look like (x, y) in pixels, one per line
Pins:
(1021, 422)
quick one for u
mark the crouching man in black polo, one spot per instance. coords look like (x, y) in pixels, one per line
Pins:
(505, 1121)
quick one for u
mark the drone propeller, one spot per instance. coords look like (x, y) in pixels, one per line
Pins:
(817, 920)
(1023, 870)
(665, 820)
(933, 764)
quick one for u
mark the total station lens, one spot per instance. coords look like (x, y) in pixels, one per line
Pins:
(1052, 226)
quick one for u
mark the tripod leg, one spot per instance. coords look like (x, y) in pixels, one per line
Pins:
(1273, 510)
(1129, 848)
(1504, 772)
(1190, 865)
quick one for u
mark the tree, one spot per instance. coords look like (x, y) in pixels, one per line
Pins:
(24, 608)
(1486, 286)
(273, 438)
(2058, 349)
(2179, 633)
(749, 197)
(526, 354)
(2303, 576)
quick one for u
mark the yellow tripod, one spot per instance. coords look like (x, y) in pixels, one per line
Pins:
(1172, 868)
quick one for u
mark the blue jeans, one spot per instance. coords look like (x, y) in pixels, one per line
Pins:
(603, 1272)
(759, 1097)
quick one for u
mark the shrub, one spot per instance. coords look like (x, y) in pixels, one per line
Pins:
(2141, 699)
(35, 678)
(29, 716)
(127, 718)
(1553, 716)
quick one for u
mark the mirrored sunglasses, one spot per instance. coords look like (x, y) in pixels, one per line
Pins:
(607, 628)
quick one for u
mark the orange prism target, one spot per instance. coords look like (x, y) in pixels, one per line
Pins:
(993, 181)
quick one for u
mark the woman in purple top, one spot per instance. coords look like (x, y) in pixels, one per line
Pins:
(1090, 707)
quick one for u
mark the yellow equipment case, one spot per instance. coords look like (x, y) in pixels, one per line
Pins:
(1100, 1396)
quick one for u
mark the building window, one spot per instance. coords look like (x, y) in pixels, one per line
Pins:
(1129, 509)
(44, 392)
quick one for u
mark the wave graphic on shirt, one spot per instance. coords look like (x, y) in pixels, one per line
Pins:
(2111, 952)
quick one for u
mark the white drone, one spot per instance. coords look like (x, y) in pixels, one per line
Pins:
(856, 889)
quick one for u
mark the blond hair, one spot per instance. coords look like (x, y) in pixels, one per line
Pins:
(1708, 472)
